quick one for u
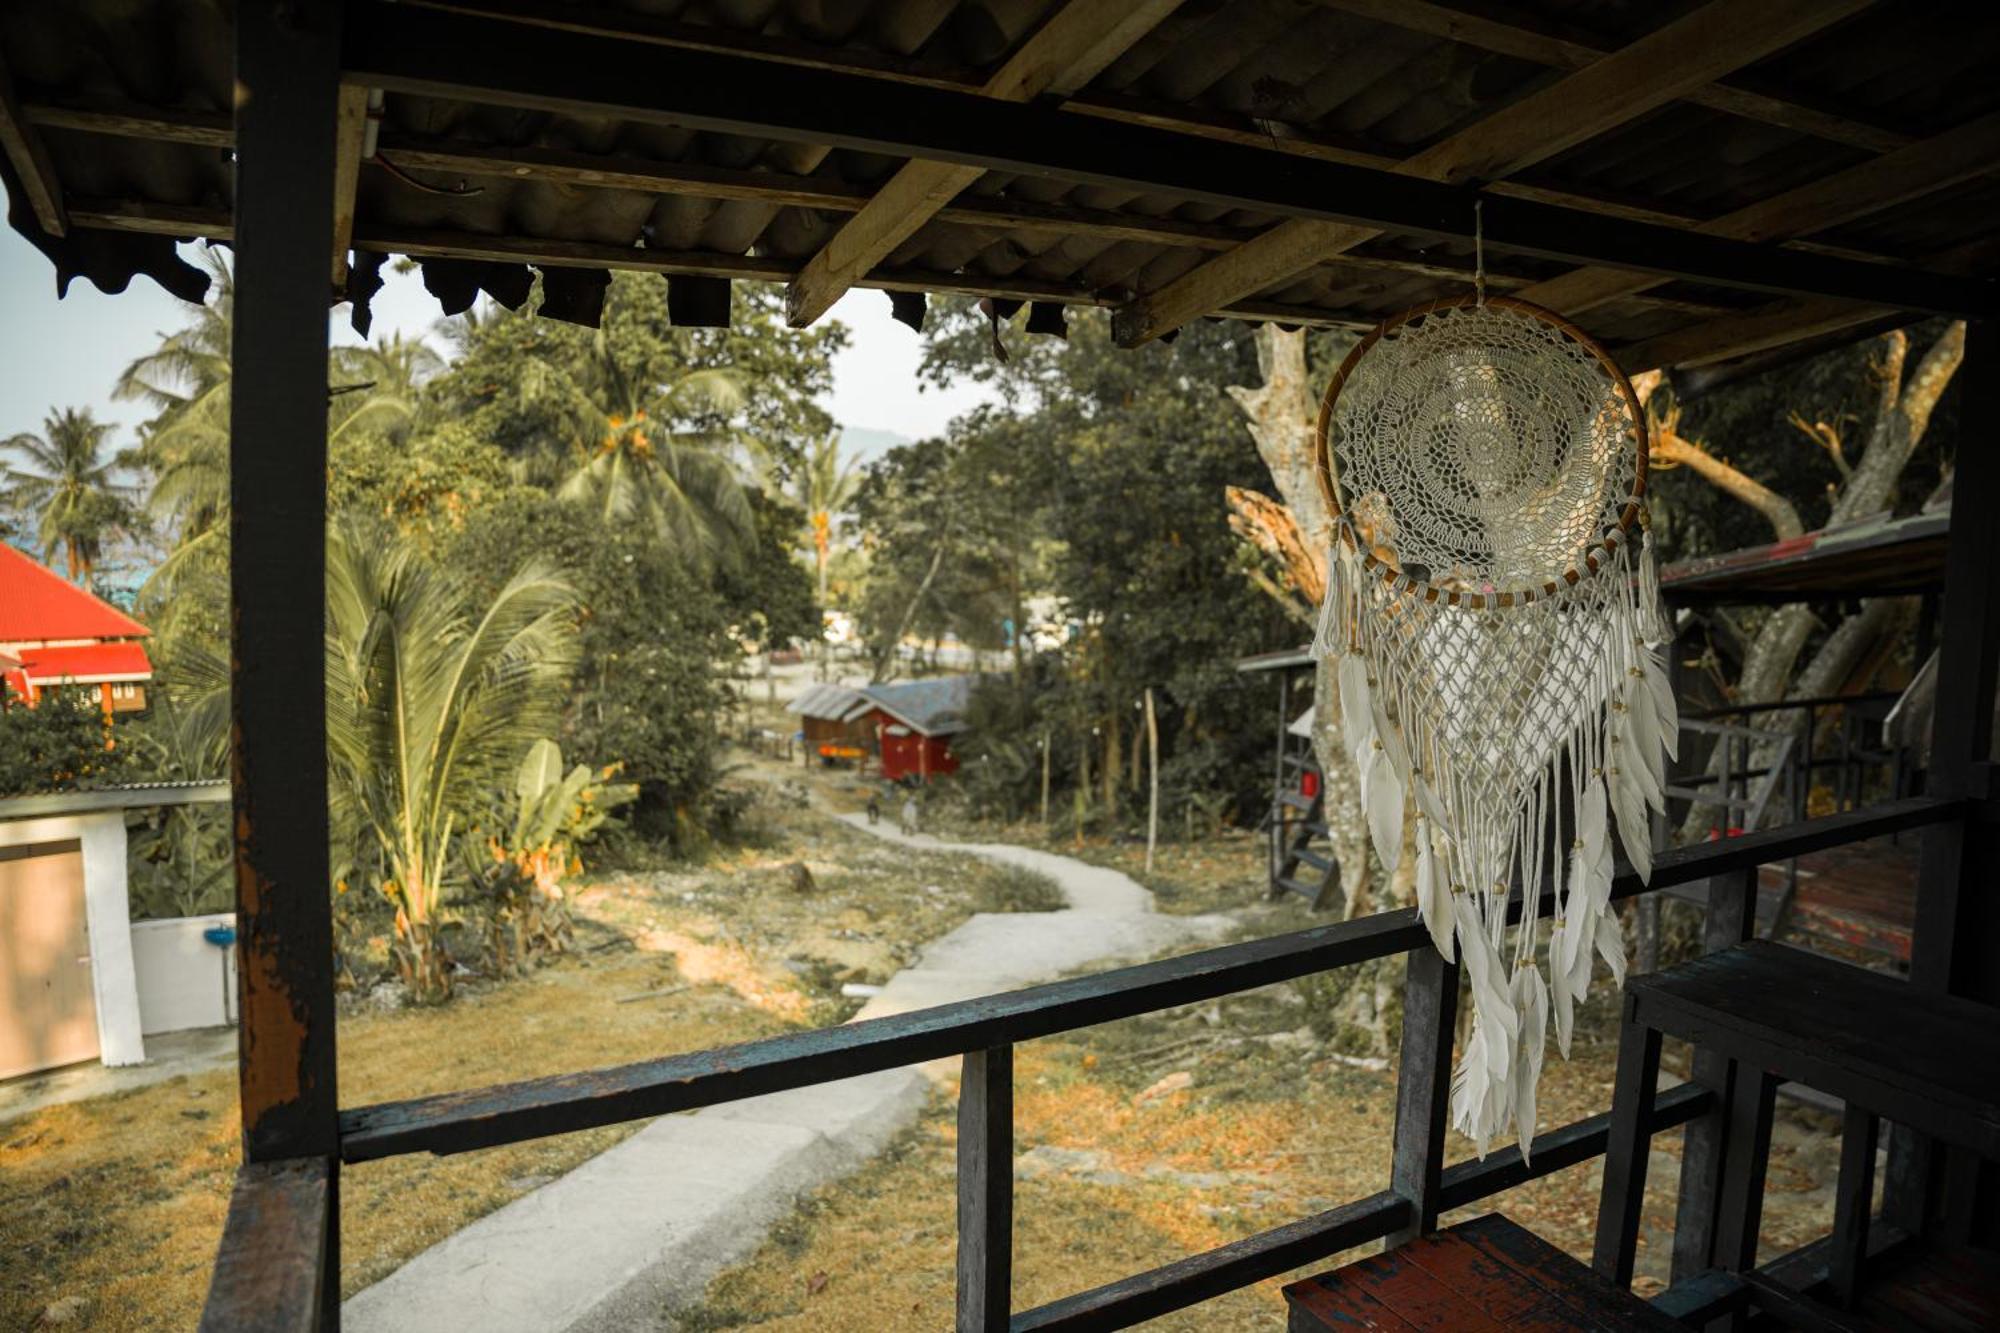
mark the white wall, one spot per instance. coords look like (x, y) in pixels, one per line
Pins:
(108, 914)
(184, 981)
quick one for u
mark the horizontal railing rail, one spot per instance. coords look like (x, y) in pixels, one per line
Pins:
(508, 1113)
(1189, 1281)
(283, 1217)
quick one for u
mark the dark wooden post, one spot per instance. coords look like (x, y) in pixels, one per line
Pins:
(1628, 1148)
(1740, 1212)
(287, 90)
(1958, 923)
(1852, 1196)
(986, 1191)
(1423, 1087)
(1732, 919)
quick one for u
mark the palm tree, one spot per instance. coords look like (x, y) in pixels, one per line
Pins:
(377, 387)
(629, 463)
(68, 484)
(824, 487)
(186, 381)
(433, 700)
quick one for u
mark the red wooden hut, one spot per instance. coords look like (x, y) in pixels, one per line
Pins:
(914, 723)
(55, 635)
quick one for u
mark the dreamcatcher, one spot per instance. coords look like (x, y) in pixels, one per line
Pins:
(1497, 636)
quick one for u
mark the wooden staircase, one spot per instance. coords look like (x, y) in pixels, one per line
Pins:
(1302, 860)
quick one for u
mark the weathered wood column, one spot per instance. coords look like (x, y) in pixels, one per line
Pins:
(287, 87)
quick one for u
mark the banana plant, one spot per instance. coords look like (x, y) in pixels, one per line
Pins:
(553, 814)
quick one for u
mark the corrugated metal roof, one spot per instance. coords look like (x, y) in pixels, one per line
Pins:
(935, 707)
(828, 701)
(131, 100)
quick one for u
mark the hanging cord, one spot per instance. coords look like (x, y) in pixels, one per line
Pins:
(1479, 250)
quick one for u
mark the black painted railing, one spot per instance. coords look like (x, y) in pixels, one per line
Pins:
(984, 1031)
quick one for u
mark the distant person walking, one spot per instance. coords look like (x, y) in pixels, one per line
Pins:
(874, 811)
(909, 824)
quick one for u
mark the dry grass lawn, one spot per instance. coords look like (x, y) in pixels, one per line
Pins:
(114, 1205)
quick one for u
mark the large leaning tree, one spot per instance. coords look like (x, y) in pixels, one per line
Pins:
(1297, 536)
(1904, 400)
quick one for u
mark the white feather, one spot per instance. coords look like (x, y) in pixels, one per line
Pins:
(1560, 991)
(1576, 907)
(1628, 804)
(1433, 893)
(1611, 944)
(1642, 726)
(1390, 735)
(1357, 719)
(1665, 711)
(1382, 798)
(1428, 802)
(1531, 998)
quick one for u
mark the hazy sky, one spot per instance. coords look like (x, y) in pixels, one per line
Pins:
(68, 353)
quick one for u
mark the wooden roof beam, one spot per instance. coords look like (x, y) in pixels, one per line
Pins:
(214, 223)
(30, 160)
(404, 48)
(1781, 323)
(1692, 51)
(1069, 50)
(350, 129)
(1970, 150)
(1513, 37)
(470, 158)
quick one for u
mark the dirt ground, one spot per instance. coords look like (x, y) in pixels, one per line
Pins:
(110, 1209)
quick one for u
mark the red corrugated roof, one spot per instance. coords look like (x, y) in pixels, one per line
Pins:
(85, 663)
(38, 603)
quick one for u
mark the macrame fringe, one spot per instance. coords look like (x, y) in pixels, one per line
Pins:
(1589, 714)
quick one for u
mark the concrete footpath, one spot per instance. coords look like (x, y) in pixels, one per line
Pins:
(638, 1232)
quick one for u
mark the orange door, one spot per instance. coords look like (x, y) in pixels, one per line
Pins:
(48, 1012)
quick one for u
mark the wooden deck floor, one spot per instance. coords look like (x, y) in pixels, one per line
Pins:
(1859, 897)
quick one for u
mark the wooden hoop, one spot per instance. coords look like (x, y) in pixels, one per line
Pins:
(1323, 454)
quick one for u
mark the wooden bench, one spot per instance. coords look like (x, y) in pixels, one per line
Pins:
(1889, 1051)
(1486, 1274)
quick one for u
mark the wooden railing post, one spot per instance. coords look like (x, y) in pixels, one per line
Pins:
(1423, 1087)
(1732, 919)
(986, 1191)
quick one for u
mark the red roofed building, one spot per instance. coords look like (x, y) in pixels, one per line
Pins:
(55, 635)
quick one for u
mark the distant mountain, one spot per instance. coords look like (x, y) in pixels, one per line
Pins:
(868, 443)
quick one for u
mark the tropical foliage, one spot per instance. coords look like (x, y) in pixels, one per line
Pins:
(553, 540)
(65, 477)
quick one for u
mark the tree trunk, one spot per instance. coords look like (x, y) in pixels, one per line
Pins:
(1903, 413)
(1281, 412)
(1113, 765)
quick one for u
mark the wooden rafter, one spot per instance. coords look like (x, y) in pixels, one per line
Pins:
(407, 49)
(1564, 50)
(349, 131)
(1970, 150)
(1069, 50)
(30, 160)
(215, 224)
(1688, 53)
(776, 189)
(1781, 323)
